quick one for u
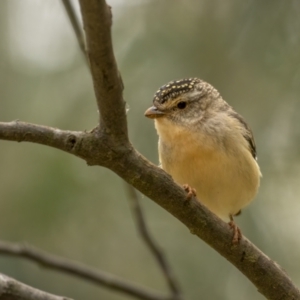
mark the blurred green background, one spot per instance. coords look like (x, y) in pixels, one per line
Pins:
(249, 50)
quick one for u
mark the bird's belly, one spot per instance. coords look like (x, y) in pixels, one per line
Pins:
(224, 184)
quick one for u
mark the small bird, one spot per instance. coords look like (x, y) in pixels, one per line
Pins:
(205, 145)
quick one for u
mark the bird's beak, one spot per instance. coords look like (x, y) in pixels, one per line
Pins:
(153, 113)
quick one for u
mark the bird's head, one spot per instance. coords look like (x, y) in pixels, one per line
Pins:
(182, 101)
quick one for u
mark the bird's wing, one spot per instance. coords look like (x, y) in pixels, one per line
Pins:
(247, 133)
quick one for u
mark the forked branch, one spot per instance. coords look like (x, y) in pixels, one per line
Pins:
(109, 146)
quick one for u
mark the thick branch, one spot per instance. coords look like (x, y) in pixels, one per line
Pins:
(11, 289)
(152, 245)
(108, 84)
(25, 132)
(152, 181)
(76, 269)
(264, 273)
(136, 208)
(270, 280)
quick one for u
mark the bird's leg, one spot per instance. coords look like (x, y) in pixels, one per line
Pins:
(190, 191)
(237, 234)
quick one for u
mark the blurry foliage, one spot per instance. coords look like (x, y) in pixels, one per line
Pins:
(249, 50)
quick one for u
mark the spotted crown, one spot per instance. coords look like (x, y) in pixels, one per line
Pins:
(175, 88)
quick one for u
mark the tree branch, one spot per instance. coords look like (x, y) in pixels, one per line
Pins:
(152, 181)
(11, 289)
(26, 132)
(270, 280)
(265, 274)
(152, 245)
(109, 147)
(108, 84)
(78, 270)
(76, 27)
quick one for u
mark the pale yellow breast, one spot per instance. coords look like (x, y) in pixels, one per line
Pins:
(225, 179)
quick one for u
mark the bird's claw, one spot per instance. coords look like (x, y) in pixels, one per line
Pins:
(191, 192)
(237, 234)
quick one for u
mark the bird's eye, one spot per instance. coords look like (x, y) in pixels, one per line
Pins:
(181, 105)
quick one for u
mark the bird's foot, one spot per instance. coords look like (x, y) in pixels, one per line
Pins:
(191, 192)
(237, 234)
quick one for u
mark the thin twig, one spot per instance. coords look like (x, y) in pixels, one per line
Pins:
(11, 289)
(79, 270)
(152, 244)
(76, 27)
